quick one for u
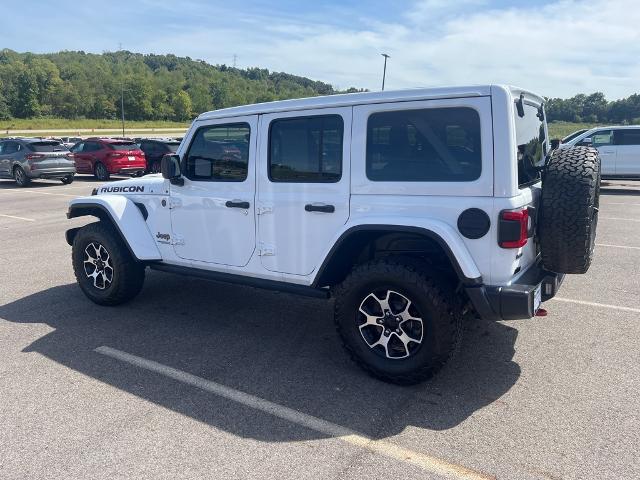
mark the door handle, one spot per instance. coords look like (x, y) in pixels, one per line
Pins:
(608, 151)
(238, 204)
(319, 208)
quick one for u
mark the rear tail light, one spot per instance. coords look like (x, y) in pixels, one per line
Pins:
(513, 230)
(69, 156)
(34, 156)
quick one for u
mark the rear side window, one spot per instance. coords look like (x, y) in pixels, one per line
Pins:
(306, 149)
(627, 137)
(173, 147)
(46, 147)
(219, 153)
(429, 145)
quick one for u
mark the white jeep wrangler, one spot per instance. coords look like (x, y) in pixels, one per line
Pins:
(412, 209)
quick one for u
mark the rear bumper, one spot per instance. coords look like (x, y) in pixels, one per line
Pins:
(126, 170)
(60, 172)
(516, 301)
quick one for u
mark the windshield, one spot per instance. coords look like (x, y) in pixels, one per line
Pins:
(123, 146)
(49, 146)
(532, 143)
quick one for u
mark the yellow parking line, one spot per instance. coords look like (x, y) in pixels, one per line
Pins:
(426, 462)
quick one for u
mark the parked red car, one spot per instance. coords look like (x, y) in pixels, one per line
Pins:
(105, 156)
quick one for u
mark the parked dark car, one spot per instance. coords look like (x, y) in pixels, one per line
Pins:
(26, 159)
(103, 157)
(154, 149)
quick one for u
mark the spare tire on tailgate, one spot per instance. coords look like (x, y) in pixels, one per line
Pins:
(568, 214)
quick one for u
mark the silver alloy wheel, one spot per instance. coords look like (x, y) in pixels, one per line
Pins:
(390, 324)
(20, 176)
(97, 265)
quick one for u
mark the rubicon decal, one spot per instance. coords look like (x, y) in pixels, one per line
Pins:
(125, 189)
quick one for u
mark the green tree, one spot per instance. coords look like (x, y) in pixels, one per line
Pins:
(27, 100)
(182, 106)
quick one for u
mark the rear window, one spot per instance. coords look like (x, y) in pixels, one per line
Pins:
(123, 146)
(430, 145)
(532, 143)
(49, 146)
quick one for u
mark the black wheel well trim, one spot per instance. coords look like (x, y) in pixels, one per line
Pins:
(466, 281)
(85, 209)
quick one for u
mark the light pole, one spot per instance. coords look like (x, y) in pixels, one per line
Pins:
(122, 107)
(384, 72)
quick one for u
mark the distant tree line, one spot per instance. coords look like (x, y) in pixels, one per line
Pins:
(156, 87)
(594, 108)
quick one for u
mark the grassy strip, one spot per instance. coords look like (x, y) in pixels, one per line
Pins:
(63, 123)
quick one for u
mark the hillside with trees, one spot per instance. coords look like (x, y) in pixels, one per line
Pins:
(74, 85)
(79, 85)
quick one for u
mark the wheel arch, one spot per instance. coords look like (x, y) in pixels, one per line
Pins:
(125, 217)
(384, 239)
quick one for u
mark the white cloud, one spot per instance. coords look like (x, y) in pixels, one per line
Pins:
(560, 49)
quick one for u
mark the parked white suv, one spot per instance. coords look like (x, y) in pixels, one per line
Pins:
(619, 149)
(412, 209)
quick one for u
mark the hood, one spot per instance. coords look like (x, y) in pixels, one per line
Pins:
(147, 185)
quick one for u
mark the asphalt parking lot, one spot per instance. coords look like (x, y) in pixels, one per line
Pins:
(202, 380)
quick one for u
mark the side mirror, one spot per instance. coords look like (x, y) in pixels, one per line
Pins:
(555, 143)
(170, 168)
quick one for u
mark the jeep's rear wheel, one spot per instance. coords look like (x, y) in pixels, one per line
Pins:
(397, 322)
(569, 209)
(105, 270)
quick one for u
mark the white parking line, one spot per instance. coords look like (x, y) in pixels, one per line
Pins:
(40, 193)
(425, 462)
(616, 246)
(618, 218)
(599, 305)
(620, 203)
(18, 218)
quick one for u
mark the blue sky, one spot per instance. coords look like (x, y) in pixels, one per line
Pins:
(556, 47)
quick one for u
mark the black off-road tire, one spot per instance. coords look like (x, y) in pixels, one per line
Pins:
(128, 274)
(67, 180)
(435, 300)
(568, 215)
(101, 173)
(20, 176)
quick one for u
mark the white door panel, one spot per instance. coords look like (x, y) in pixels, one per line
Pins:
(213, 221)
(628, 160)
(298, 218)
(608, 157)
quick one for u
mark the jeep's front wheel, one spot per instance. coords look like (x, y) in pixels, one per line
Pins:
(105, 270)
(397, 322)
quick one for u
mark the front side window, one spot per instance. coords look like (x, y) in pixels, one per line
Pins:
(627, 137)
(219, 153)
(602, 137)
(429, 145)
(306, 149)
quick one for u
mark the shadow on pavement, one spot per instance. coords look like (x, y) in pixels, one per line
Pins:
(610, 187)
(278, 347)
